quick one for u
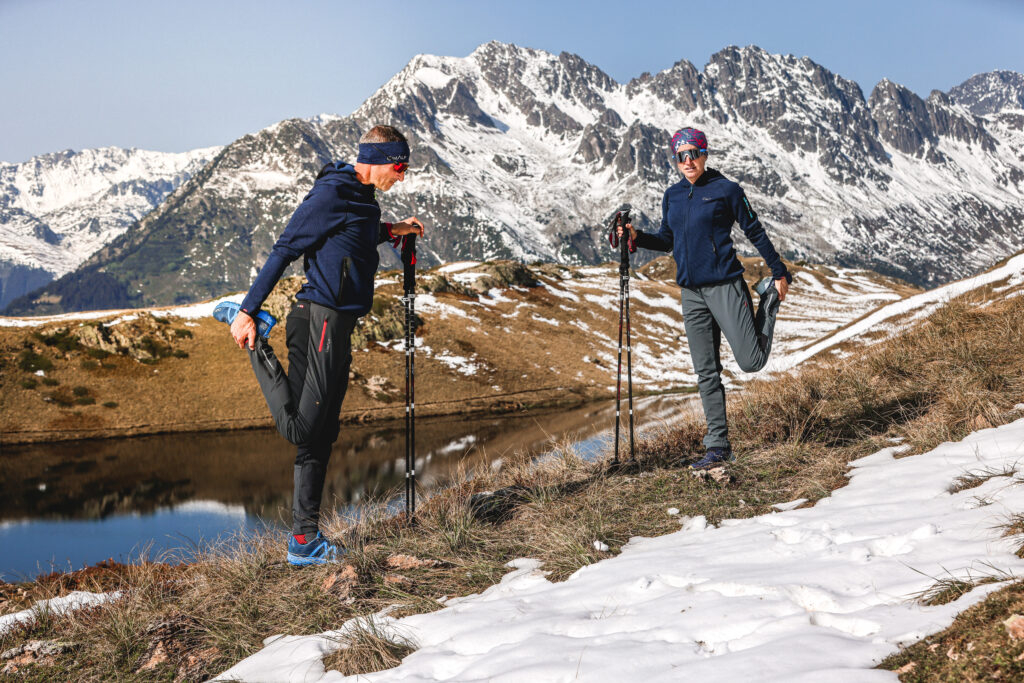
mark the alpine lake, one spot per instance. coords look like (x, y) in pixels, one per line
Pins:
(67, 505)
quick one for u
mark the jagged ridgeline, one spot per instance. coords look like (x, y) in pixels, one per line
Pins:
(522, 154)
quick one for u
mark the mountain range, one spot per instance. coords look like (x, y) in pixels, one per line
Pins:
(523, 154)
(58, 209)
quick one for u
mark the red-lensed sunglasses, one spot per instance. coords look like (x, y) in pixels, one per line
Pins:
(401, 167)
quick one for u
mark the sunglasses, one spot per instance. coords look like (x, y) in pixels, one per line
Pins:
(401, 167)
(693, 154)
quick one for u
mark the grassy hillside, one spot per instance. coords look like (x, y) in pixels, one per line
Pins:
(493, 337)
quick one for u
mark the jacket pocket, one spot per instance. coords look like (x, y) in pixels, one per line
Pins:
(714, 247)
(346, 265)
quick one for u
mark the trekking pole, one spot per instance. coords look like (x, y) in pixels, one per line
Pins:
(625, 246)
(409, 302)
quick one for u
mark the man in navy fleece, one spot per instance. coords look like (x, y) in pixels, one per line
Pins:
(697, 215)
(336, 229)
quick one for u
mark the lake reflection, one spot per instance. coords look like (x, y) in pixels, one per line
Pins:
(75, 503)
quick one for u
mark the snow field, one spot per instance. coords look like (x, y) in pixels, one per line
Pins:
(811, 594)
(58, 606)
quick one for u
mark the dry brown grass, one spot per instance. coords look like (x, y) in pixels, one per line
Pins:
(977, 647)
(368, 647)
(962, 369)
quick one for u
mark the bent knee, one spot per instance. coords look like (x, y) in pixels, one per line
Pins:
(752, 364)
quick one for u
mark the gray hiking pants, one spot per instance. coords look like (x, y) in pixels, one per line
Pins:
(306, 402)
(725, 307)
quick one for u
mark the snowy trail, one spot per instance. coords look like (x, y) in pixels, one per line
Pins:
(820, 593)
(917, 306)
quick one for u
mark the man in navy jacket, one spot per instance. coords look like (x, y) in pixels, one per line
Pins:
(697, 215)
(336, 229)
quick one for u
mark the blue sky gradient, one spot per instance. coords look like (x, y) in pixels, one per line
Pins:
(179, 75)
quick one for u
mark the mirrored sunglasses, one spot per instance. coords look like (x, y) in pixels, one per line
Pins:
(684, 154)
(401, 167)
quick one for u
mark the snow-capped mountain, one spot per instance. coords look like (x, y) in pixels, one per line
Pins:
(57, 209)
(991, 93)
(519, 153)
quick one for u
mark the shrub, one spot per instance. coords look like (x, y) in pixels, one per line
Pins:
(61, 397)
(30, 361)
(61, 339)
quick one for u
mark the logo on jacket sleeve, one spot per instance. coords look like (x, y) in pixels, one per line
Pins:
(750, 211)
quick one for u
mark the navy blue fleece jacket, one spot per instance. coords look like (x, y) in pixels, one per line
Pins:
(696, 226)
(336, 230)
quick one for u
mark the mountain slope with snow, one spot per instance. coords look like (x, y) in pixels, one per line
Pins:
(520, 153)
(56, 210)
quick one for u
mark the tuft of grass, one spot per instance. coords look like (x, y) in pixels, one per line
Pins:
(110, 404)
(948, 588)
(29, 383)
(971, 480)
(366, 647)
(1013, 527)
(50, 382)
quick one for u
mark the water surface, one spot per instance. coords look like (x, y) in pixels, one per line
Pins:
(70, 504)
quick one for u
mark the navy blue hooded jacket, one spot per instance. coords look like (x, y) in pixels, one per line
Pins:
(336, 230)
(696, 226)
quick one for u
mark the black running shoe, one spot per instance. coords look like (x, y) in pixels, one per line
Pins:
(714, 457)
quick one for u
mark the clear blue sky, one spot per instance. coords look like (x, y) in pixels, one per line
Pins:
(178, 75)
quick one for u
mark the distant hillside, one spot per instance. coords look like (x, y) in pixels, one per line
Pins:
(494, 336)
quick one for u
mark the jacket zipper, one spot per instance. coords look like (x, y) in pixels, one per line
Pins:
(686, 227)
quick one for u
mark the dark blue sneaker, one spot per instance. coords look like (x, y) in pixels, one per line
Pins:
(714, 457)
(226, 311)
(316, 551)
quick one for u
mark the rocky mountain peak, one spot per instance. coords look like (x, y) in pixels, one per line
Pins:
(991, 93)
(520, 153)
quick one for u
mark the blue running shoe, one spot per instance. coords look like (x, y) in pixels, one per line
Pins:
(316, 551)
(226, 311)
(714, 457)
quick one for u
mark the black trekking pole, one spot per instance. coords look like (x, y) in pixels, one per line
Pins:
(409, 301)
(626, 246)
